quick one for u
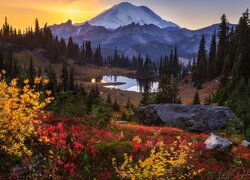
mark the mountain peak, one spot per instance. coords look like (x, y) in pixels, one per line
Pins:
(126, 13)
(124, 4)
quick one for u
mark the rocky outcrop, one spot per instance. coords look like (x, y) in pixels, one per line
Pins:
(217, 143)
(245, 144)
(190, 117)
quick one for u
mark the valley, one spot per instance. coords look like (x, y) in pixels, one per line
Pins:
(86, 74)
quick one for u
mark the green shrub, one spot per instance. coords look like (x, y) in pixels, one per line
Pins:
(101, 116)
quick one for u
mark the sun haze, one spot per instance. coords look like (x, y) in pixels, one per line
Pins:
(191, 14)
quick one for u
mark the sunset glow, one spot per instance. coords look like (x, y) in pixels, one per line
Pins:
(22, 14)
(50, 11)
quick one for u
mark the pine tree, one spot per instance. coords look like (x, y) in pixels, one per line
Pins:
(70, 48)
(16, 69)
(38, 36)
(170, 63)
(32, 72)
(89, 52)
(97, 92)
(222, 45)
(129, 105)
(208, 100)
(167, 91)
(200, 68)
(64, 76)
(39, 71)
(226, 71)
(82, 60)
(1, 60)
(72, 80)
(90, 101)
(146, 94)
(63, 47)
(212, 58)
(196, 99)
(37, 28)
(96, 56)
(9, 64)
(52, 84)
(176, 68)
(242, 36)
(109, 100)
(116, 106)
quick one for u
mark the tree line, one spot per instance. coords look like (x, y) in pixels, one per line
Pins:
(228, 60)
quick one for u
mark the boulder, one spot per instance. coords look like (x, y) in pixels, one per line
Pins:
(196, 118)
(121, 122)
(245, 144)
(217, 143)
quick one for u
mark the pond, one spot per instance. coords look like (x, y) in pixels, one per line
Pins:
(126, 83)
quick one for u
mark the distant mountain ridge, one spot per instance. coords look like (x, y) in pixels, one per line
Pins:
(136, 38)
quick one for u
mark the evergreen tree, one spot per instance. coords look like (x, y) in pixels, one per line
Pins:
(98, 60)
(63, 47)
(146, 94)
(242, 36)
(176, 68)
(37, 28)
(31, 71)
(96, 92)
(222, 45)
(226, 71)
(212, 58)
(64, 76)
(70, 48)
(200, 68)
(208, 100)
(9, 64)
(72, 80)
(196, 99)
(89, 52)
(160, 67)
(52, 84)
(1, 60)
(116, 106)
(90, 101)
(167, 91)
(129, 105)
(109, 100)
(82, 59)
(39, 71)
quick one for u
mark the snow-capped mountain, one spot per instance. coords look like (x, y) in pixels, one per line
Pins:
(147, 34)
(125, 13)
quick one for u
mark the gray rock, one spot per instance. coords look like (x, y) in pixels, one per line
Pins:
(190, 117)
(245, 144)
(121, 122)
(217, 143)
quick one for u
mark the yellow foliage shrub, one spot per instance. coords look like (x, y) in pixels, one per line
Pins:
(162, 163)
(19, 111)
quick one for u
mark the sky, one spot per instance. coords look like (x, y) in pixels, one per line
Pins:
(191, 14)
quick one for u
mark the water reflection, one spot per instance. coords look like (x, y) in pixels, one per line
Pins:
(127, 84)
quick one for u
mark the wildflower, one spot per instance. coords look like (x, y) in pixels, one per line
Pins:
(48, 93)
(26, 81)
(45, 81)
(137, 139)
(37, 80)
